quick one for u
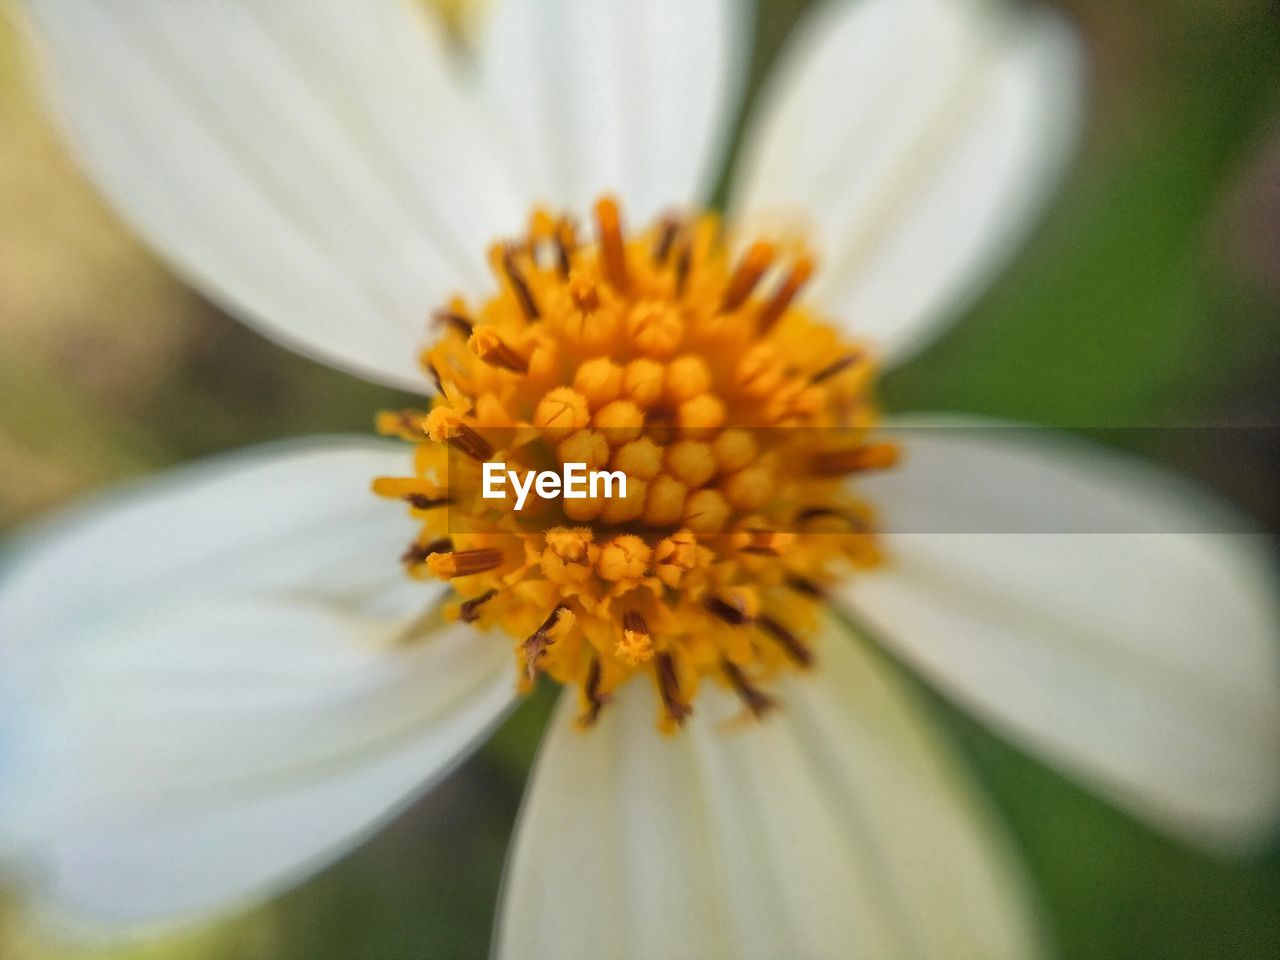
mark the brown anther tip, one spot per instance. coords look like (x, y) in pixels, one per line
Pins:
(496, 352)
(420, 501)
(782, 298)
(725, 611)
(565, 243)
(464, 563)
(684, 264)
(669, 689)
(537, 642)
(454, 321)
(666, 237)
(807, 587)
(789, 642)
(596, 701)
(836, 368)
(519, 285)
(469, 612)
(755, 699)
(748, 273)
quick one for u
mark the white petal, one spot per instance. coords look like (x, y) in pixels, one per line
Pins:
(1145, 661)
(916, 139)
(221, 681)
(838, 828)
(313, 167)
(636, 99)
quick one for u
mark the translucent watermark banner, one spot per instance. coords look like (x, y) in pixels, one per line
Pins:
(899, 479)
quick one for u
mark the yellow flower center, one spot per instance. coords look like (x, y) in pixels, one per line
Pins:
(735, 417)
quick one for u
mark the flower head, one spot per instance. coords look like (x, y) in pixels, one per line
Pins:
(219, 682)
(733, 415)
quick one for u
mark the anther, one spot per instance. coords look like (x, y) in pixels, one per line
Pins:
(767, 543)
(875, 456)
(537, 642)
(612, 252)
(446, 426)
(519, 285)
(493, 350)
(669, 689)
(747, 275)
(787, 640)
(455, 321)
(834, 369)
(469, 612)
(464, 563)
(777, 305)
(756, 700)
(565, 242)
(807, 587)
(725, 611)
(595, 699)
(420, 501)
(666, 237)
(636, 644)
(684, 263)
(418, 552)
(820, 513)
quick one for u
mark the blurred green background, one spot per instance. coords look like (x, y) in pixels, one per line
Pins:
(1150, 296)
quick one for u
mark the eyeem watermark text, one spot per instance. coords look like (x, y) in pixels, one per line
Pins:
(575, 483)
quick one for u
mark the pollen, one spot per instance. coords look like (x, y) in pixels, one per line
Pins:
(688, 364)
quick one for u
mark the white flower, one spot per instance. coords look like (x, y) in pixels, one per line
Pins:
(217, 682)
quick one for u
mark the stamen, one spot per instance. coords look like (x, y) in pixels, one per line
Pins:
(612, 252)
(446, 426)
(669, 689)
(456, 321)
(519, 285)
(817, 513)
(832, 369)
(565, 243)
(772, 311)
(418, 552)
(420, 501)
(469, 612)
(756, 700)
(806, 587)
(767, 543)
(726, 611)
(538, 641)
(464, 563)
(684, 263)
(789, 642)
(875, 456)
(496, 352)
(666, 237)
(595, 699)
(636, 644)
(744, 280)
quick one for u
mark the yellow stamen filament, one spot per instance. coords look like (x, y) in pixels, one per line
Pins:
(737, 419)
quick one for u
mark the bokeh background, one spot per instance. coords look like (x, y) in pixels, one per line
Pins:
(1150, 297)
